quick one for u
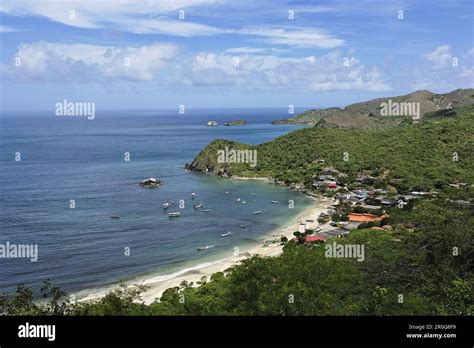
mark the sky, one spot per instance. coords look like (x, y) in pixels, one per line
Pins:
(137, 54)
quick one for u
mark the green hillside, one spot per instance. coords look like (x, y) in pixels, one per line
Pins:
(368, 114)
(419, 156)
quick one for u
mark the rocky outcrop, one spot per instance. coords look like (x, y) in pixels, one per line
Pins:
(236, 123)
(150, 182)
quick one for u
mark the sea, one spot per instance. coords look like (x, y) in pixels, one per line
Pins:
(62, 178)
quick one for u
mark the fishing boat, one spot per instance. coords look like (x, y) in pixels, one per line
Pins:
(193, 195)
(204, 247)
(174, 214)
(258, 212)
(275, 202)
(114, 217)
(206, 210)
(228, 234)
(198, 205)
(166, 205)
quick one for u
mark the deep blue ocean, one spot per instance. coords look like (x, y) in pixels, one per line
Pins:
(64, 158)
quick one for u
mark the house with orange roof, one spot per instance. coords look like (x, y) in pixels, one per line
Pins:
(365, 217)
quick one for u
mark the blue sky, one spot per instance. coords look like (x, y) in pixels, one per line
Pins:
(223, 53)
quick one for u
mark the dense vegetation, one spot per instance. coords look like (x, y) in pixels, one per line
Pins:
(421, 156)
(427, 258)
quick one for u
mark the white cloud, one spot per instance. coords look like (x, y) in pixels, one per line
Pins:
(441, 57)
(253, 50)
(440, 70)
(137, 17)
(267, 72)
(300, 37)
(79, 62)
(7, 29)
(159, 63)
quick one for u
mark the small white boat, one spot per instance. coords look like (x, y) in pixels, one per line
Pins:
(206, 210)
(166, 205)
(205, 247)
(198, 205)
(227, 192)
(258, 212)
(243, 202)
(275, 202)
(193, 195)
(174, 214)
(242, 226)
(238, 199)
(228, 234)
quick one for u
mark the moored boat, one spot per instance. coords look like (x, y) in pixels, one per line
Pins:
(258, 212)
(174, 214)
(166, 205)
(228, 234)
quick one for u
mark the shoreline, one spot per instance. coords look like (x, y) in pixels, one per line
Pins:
(270, 246)
(156, 288)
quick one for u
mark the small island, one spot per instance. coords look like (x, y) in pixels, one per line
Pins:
(236, 123)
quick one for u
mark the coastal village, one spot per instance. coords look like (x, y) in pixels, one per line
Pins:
(360, 207)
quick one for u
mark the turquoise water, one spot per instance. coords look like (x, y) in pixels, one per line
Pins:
(83, 160)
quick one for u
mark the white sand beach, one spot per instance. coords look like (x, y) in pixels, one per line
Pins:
(271, 247)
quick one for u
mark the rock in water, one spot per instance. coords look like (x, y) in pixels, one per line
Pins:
(150, 182)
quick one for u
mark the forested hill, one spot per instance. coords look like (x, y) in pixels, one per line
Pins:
(421, 156)
(367, 115)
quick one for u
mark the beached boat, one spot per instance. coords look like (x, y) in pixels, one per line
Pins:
(174, 214)
(275, 202)
(228, 234)
(166, 205)
(198, 205)
(258, 212)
